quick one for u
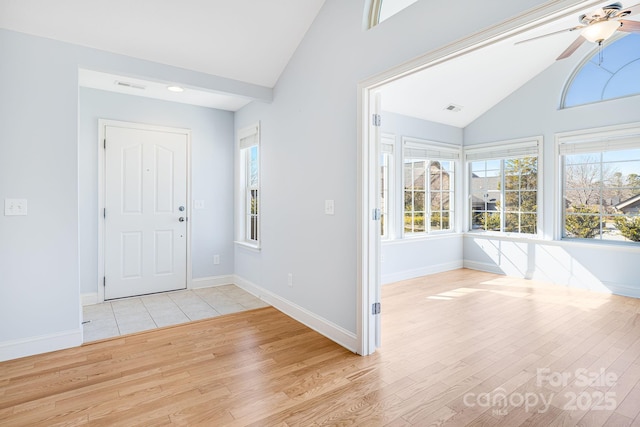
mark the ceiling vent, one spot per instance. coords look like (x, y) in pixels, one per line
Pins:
(128, 84)
(453, 107)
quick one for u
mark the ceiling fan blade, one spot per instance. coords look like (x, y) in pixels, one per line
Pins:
(550, 34)
(572, 48)
(629, 26)
(632, 10)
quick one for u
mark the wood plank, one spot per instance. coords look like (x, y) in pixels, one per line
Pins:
(444, 336)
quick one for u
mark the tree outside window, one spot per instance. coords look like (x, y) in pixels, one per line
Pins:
(504, 195)
(602, 195)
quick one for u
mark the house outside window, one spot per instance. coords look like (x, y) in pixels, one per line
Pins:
(600, 177)
(249, 145)
(428, 186)
(503, 187)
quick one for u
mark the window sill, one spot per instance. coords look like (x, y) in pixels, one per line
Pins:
(249, 246)
(419, 237)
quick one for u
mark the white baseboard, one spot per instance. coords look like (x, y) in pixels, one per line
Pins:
(202, 282)
(323, 326)
(41, 344)
(418, 272)
(482, 266)
(207, 282)
(89, 299)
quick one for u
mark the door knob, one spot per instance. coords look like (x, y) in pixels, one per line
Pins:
(181, 219)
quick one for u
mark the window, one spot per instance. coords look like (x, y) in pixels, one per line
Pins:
(429, 186)
(503, 187)
(249, 143)
(384, 9)
(386, 187)
(601, 184)
(615, 77)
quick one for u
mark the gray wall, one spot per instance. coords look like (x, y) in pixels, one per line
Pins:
(309, 145)
(533, 110)
(211, 175)
(39, 147)
(416, 256)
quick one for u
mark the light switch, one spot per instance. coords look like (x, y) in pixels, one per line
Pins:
(15, 207)
(198, 204)
(329, 207)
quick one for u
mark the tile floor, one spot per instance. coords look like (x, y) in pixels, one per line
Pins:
(126, 316)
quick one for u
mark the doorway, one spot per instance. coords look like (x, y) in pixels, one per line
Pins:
(447, 64)
(145, 210)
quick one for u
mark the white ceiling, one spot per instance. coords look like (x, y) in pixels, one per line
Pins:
(252, 41)
(478, 80)
(158, 90)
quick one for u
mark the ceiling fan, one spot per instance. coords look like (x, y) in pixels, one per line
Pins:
(598, 25)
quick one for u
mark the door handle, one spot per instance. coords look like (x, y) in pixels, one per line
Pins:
(181, 219)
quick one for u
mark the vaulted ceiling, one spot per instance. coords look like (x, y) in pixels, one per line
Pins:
(252, 41)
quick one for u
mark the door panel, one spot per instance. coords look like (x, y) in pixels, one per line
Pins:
(145, 188)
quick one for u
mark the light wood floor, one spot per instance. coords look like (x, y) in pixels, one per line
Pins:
(454, 344)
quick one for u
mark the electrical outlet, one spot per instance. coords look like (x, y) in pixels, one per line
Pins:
(329, 208)
(216, 259)
(15, 207)
(290, 280)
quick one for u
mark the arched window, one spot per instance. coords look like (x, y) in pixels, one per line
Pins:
(384, 9)
(615, 77)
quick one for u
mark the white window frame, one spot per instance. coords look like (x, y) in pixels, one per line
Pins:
(247, 138)
(387, 149)
(607, 138)
(432, 150)
(503, 150)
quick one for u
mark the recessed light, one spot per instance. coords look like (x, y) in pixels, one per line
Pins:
(175, 88)
(453, 107)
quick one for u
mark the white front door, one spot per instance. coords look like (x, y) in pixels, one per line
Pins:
(145, 211)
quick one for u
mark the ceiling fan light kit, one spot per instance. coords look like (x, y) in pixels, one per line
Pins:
(600, 31)
(599, 25)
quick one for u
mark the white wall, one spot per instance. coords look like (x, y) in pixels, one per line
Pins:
(39, 288)
(533, 110)
(39, 253)
(417, 256)
(309, 145)
(309, 148)
(211, 172)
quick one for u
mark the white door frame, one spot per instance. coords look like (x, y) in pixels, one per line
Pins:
(102, 124)
(368, 248)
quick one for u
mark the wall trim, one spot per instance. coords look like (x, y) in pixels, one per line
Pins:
(482, 266)
(207, 282)
(323, 326)
(623, 290)
(386, 279)
(40, 344)
(90, 298)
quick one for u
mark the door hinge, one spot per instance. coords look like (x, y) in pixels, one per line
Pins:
(104, 213)
(375, 308)
(375, 214)
(104, 281)
(376, 120)
(104, 143)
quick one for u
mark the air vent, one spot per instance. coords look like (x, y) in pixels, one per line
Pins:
(453, 107)
(128, 84)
